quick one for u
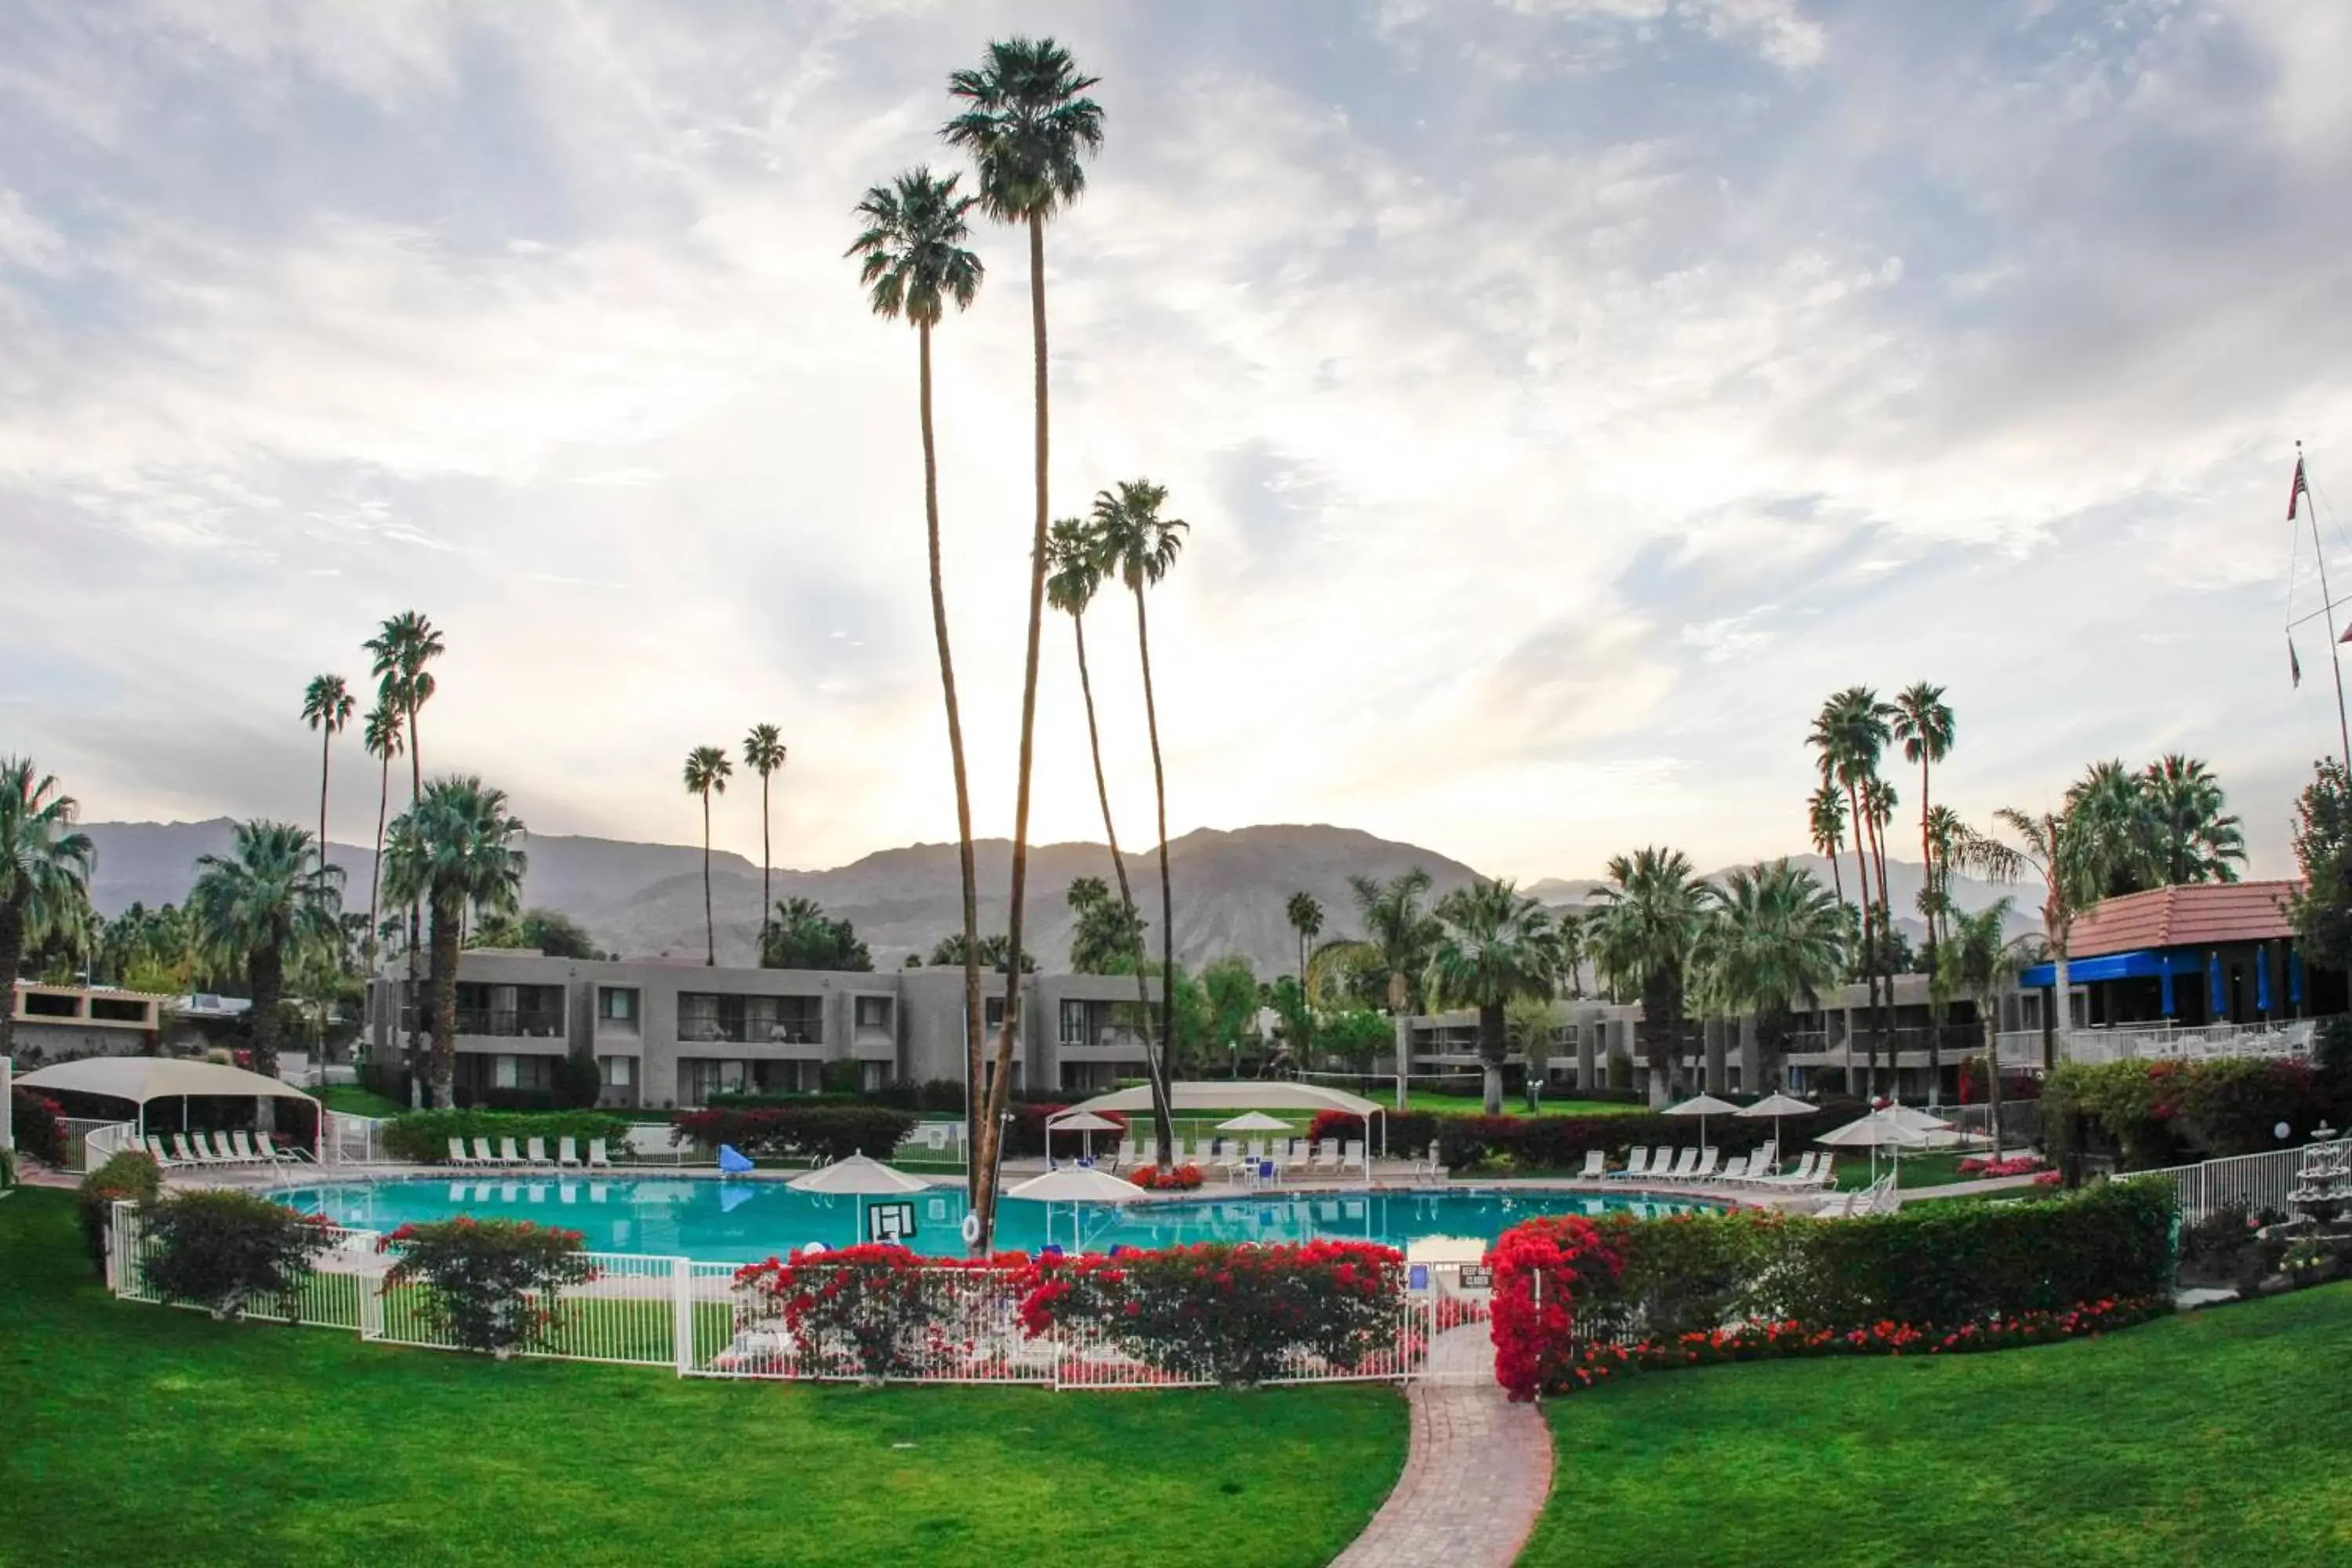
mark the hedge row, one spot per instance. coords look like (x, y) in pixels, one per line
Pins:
(803, 1131)
(422, 1137)
(1933, 1270)
(1562, 1142)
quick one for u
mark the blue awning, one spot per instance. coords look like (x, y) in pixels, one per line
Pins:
(2143, 965)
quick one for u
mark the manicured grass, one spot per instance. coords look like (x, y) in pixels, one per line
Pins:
(130, 1432)
(1516, 1105)
(352, 1100)
(2211, 1438)
(1917, 1170)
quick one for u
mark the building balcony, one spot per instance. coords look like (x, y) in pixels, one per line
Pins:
(504, 1023)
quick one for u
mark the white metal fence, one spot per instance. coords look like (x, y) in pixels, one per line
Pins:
(697, 1320)
(2252, 1182)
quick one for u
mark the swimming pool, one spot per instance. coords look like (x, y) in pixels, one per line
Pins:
(743, 1222)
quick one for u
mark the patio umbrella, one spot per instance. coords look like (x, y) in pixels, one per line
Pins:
(1086, 1123)
(1776, 1106)
(1879, 1130)
(1255, 1121)
(1703, 1107)
(1074, 1188)
(860, 1178)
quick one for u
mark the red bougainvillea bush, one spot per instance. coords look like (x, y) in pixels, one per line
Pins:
(1540, 1267)
(1226, 1312)
(878, 1312)
(492, 1285)
(2022, 1165)
(1180, 1179)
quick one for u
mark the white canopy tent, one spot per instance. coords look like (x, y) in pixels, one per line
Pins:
(1247, 1094)
(140, 1079)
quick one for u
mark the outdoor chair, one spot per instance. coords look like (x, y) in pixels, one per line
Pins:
(155, 1152)
(508, 1153)
(1126, 1155)
(1300, 1154)
(266, 1145)
(1708, 1159)
(1351, 1156)
(1637, 1164)
(597, 1159)
(180, 1151)
(1826, 1174)
(458, 1155)
(1737, 1169)
(567, 1152)
(206, 1150)
(538, 1153)
(482, 1155)
(1686, 1161)
(1596, 1163)
(245, 1151)
(1326, 1156)
(1802, 1176)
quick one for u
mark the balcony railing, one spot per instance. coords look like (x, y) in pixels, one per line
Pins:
(511, 1023)
(1118, 1035)
(736, 1031)
(2174, 1042)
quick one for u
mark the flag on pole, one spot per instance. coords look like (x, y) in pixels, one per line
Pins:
(2293, 665)
(2300, 489)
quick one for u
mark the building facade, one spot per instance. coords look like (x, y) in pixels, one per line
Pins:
(664, 1033)
(61, 1022)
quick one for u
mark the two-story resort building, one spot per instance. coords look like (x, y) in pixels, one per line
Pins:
(664, 1033)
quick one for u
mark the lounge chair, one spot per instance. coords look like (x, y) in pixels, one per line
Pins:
(1826, 1174)
(538, 1153)
(1685, 1162)
(1759, 1164)
(1326, 1156)
(1126, 1155)
(1298, 1154)
(1737, 1169)
(181, 1153)
(216, 1153)
(1802, 1176)
(508, 1153)
(1708, 1159)
(458, 1155)
(482, 1155)
(1637, 1164)
(1351, 1156)
(597, 1159)
(268, 1146)
(1243, 1162)
(155, 1152)
(248, 1152)
(1596, 1163)
(567, 1152)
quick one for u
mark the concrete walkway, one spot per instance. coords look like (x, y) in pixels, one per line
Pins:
(1976, 1189)
(1478, 1475)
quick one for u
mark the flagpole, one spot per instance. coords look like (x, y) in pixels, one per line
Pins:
(2319, 553)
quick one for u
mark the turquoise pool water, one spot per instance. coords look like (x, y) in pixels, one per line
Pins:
(743, 1222)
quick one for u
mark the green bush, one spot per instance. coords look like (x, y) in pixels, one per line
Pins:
(38, 1130)
(124, 1178)
(422, 1137)
(492, 1285)
(1560, 1142)
(223, 1249)
(804, 1131)
(2165, 1113)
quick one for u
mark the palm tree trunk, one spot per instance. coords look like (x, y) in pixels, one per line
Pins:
(12, 957)
(416, 923)
(1869, 942)
(1167, 895)
(1886, 980)
(1992, 1069)
(710, 925)
(448, 934)
(767, 858)
(375, 867)
(326, 754)
(1000, 1088)
(264, 972)
(975, 1001)
(1933, 913)
(1162, 1126)
(1490, 1057)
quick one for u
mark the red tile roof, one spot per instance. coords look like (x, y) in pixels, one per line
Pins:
(2204, 914)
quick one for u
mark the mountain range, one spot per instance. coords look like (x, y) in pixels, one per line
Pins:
(646, 900)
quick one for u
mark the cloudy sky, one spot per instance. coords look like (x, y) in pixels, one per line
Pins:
(1564, 395)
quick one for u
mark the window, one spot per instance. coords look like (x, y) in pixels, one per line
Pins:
(503, 1072)
(700, 1078)
(618, 1071)
(118, 1010)
(39, 1004)
(874, 1013)
(1074, 1023)
(996, 1012)
(876, 1075)
(616, 1004)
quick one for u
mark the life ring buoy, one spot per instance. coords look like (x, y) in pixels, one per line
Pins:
(971, 1229)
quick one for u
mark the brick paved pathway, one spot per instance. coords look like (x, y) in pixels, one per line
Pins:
(1478, 1473)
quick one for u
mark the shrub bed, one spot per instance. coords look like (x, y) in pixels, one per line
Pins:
(422, 1137)
(223, 1250)
(1564, 1285)
(1181, 1179)
(492, 1285)
(124, 1178)
(1560, 1142)
(813, 1131)
(2163, 1113)
(2022, 1165)
(1409, 1131)
(1227, 1314)
(38, 1130)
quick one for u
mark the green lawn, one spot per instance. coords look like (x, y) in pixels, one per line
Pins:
(351, 1100)
(2211, 1438)
(1917, 1170)
(1516, 1105)
(130, 1433)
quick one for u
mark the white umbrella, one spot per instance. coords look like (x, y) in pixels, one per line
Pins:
(1255, 1121)
(1087, 1124)
(1934, 1130)
(1776, 1106)
(1703, 1107)
(1879, 1130)
(860, 1178)
(1074, 1188)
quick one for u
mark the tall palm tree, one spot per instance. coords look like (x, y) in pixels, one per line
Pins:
(1652, 909)
(327, 707)
(1397, 925)
(1076, 573)
(1132, 539)
(1776, 941)
(1494, 945)
(1825, 821)
(262, 908)
(2192, 838)
(1305, 914)
(913, 262)
(763, 754)
(381, 735)
(2042, 846)
(401, 655)
(2111, 839)
(45, 869)
(706, 772)
(1851, 733)
(1030, 128)
(1980, 961)
(1923, 722)
(454, 850)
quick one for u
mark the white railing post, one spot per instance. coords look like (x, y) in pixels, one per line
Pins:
(681, 1295)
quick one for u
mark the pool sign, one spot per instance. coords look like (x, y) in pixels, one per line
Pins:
(890, 1223)
(1475, 1279)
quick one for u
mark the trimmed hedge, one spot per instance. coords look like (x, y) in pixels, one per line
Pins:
(1946, 1269)
(804, 1131)
(1560, 1142)
(422, 1137)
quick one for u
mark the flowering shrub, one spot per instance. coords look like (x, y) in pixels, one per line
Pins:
(874, 1311)
(2022, 1165)
(2159, 1112)
(39, 1130)
(1224, 1312)
(492, 1285)
(223, 1249)
(808, 1132)
(127, 1177)
(1540, 1267)
(1182, 1179)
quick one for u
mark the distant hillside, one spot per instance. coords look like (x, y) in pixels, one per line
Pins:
(647, 899)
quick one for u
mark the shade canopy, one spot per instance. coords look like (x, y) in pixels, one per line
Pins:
(1778, 1105)
(1077, 1186)
(1237, 1094)
(1254, 1121)
(859, 1176)
(1879, 1130)
(141, 1079)
(1704, 1105)
(1082, 1121)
